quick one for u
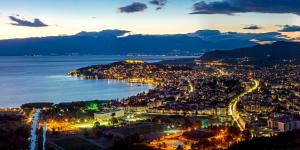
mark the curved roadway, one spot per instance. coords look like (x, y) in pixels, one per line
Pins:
(232, 110)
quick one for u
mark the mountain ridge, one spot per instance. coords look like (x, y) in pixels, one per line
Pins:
(269, 53)
(122, 42)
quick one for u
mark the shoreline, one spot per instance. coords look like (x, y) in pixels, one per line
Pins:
(144, 81)
(138, 81)
(152, 86)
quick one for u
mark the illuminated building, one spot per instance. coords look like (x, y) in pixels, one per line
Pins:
(104, 116)
(283, 123)
(198, 61)
(215, 63)
(134, 61)
(141, 80)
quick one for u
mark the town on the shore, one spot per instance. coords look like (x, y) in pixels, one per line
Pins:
(193, 105)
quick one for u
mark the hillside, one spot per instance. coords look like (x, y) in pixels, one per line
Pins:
(259, 54)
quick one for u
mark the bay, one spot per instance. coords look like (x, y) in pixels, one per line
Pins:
(26, 79)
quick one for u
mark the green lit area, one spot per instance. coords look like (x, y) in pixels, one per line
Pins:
(204, 123)
(93, 106)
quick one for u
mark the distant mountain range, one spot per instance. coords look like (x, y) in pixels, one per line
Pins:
(120, 42)
(278, 52)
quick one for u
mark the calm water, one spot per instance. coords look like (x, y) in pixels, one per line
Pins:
(43, 79)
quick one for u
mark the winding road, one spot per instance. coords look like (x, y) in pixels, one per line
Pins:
(232, 110)
(33, 130)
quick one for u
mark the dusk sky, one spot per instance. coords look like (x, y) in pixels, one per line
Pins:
(35, 18)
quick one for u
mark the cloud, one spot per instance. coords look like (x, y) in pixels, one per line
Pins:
(230, 7)
(289, 28)
(21, 22)
(159, 3)
(296, 39)
(104, 33)
(252, 27)
(216, 35)
(134, 7)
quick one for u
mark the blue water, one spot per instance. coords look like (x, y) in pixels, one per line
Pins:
(43, 79)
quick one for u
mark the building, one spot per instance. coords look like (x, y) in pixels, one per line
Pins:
(136, 109)
(134, 61)
(258, 108)
(198, 61)
(283, 123)
(286, 125)
(105, 116)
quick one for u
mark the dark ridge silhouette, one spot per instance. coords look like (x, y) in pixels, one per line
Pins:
(277, 52)
(113, 42)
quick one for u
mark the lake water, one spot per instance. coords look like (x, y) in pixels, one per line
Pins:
(26, 79)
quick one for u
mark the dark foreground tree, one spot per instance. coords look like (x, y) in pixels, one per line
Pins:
(289, 140)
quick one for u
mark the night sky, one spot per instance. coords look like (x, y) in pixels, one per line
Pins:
(35, 18)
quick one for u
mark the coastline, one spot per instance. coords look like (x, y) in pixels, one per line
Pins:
(146, 81)
(110, 81)
(36, 61)
(36, 92)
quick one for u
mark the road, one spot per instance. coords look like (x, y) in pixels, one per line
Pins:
(191, 89)
(191, 86)
(33, 130)
(232, 110)
(222, 72)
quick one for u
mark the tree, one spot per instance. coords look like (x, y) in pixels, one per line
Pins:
(179, 147)
(114, 121)
(13, 133)
(187, 123)
(96, 124)
(97, 129)
(246, 134)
